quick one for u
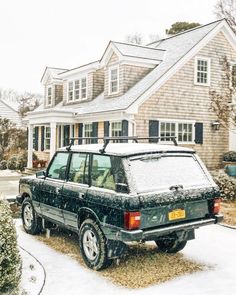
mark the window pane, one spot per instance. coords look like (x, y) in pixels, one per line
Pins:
(79, 168)
(185, 132)
(57, 169)
(202, 71)
(102, 174)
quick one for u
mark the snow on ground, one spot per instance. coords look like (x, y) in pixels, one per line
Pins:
(214, 245)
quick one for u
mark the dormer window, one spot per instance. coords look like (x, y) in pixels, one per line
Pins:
(77, 89)
(113, 80)
(202, 71)
(49, 96)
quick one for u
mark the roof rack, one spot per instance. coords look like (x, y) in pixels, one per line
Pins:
(106, 140)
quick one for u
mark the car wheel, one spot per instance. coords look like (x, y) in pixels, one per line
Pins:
(31, 222)
(92, 244)
(170, 245)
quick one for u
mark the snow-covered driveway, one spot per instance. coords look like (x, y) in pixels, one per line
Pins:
(214, 245)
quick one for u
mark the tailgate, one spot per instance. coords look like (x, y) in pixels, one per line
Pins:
(176, 207)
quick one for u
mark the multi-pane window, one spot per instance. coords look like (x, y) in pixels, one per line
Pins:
(83, 88)
(182, 131)
(47, 138)
(233, 76)
(113, 80)
(49, 95)
(77, 90)
(70, 91)
(185, 132)
(88, 132)
(202, 71)
(116, 129)
(167, 129)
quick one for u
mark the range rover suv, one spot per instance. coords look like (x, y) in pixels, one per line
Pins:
(116, 193)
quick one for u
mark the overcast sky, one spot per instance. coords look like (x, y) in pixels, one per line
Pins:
(68, 33)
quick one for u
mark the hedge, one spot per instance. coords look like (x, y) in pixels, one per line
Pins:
(10, 261)
(227, 185)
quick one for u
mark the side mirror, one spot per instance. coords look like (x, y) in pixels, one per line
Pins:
(41, 174)
(122, 188)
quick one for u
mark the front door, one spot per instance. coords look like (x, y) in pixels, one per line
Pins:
(75, 189)
(51, 196)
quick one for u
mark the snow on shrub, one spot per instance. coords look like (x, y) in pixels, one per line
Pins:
(10, 261)
(3, 165)
(229, 156)
(227, 185)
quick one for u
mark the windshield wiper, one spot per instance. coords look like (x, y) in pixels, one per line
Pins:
(176, 187)
(152, 157)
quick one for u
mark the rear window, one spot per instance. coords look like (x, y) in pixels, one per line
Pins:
(160, 172)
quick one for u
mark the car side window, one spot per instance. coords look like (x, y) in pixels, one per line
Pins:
(101, 172)
(79, 168)
(57, 169)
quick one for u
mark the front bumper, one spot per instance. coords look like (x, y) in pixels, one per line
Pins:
(139, 235)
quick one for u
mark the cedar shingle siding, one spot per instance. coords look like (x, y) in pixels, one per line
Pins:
(180, 99)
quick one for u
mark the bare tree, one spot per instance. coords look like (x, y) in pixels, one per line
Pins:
(28, 102)
(222, 99)
(135, 38)
(227, 9)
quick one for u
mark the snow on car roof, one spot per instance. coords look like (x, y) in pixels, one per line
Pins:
(124, 149)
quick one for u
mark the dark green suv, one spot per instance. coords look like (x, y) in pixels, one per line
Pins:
(121, 192)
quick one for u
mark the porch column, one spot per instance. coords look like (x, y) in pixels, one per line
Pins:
(30, 146)
(53, 127)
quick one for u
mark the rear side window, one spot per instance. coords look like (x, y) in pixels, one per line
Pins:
(57, 169)
(101, 172)
(79, 168)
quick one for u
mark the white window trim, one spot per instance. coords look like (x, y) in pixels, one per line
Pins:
(45, 132)
(109, 79)
(87, 123)
(49, 86)
(110, 129)
(176, 122)
(80, 89)
(208, 71)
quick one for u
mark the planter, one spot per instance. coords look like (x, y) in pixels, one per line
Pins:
(231, 169)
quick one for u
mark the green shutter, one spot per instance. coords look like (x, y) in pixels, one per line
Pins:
(153, 130)
(198, 133)
(94, 132)
(80, 134)
(125, 129)
(42, 138)
(36, 146)
(106, 128)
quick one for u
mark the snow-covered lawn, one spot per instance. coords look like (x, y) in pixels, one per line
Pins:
(214, 245)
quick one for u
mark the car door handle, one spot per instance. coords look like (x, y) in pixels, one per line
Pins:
(58, 190)
(81, 196)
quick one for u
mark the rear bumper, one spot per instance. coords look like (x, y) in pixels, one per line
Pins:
(138, 235)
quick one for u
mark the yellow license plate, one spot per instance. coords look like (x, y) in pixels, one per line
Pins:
(176, 214)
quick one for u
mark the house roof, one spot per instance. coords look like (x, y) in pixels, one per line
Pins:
(53, 73)
(12, 105)
(175, 49)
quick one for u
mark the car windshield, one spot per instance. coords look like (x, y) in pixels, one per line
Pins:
(163, 171)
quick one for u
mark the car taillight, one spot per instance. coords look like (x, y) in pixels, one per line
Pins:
(132, 220)
(216, 206)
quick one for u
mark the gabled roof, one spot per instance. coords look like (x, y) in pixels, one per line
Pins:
(177, 51)
(13, 106)
(129, 50)
(52, 72)
(177, 48)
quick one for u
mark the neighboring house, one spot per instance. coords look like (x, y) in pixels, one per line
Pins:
(10, 110)
(157, 90)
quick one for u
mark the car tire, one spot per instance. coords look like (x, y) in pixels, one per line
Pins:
(170, 245)
(31, 222)
(93, 247)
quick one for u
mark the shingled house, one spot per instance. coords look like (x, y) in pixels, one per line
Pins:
(159, 90)
(10, 111)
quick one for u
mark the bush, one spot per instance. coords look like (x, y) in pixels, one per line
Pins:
(230, 156)
(3, 165)
(10, 261)
(227, 185)
(12, 163)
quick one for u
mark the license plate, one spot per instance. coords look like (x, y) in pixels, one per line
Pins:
(176, 214)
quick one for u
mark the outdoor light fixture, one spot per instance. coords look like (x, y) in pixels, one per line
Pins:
(215, 125)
